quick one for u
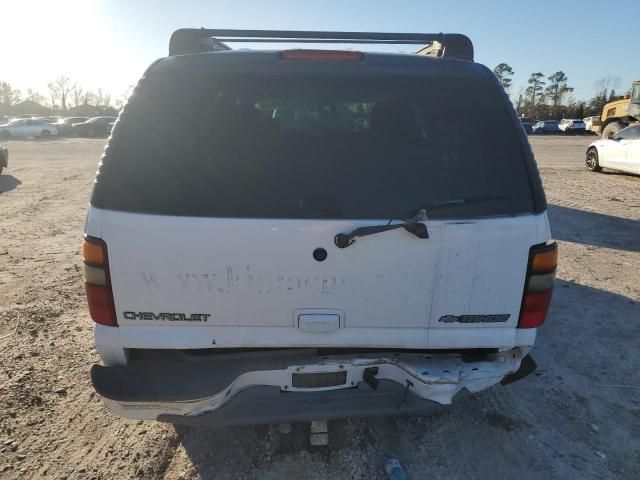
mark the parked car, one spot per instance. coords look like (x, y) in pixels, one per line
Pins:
(51, 120)
(572, 126)
(65, 125)
(4, 158)
(546, 126)
(94, 127)
(592, 124)
(27, 127)
(241, 269)
(526, 124)
(622, 152)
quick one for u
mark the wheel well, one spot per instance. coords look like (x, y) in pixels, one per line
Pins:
(614, 120)
(607, 122)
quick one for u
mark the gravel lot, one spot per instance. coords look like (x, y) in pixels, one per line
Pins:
(577, 417)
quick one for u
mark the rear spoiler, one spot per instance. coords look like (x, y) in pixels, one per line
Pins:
(199, 40)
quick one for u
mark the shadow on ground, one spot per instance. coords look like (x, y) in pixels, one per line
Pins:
(582, 349)
(8, 182)
(598, 229)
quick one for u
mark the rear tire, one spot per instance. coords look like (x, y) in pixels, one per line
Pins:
(45, 133)
(5, 134)
(612, 129)
(592, 160)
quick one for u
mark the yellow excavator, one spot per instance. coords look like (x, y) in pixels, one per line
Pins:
(620, 113)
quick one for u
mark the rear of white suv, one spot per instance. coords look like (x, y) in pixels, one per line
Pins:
(290, 235)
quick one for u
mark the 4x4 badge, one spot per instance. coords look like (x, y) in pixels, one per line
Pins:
(499, 318)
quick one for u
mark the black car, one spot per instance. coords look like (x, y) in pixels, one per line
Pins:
(65, 125)
(4, 158)
(94, 127)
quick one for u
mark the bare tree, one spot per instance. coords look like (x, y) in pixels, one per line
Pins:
(60, 89)
(35, 96)
(89, 98)
(122, 99)
(520, 104)
(603, 88)
(77, 96)
(8, 95)
(103, 98)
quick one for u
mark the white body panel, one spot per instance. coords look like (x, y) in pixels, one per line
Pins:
(633, 157)
(622, 155)
(29, 128)
(252, 275)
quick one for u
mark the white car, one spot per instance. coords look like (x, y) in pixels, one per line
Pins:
(27, 127)
(622, 152)
(386, 251)
(592, 124)
(570, 125)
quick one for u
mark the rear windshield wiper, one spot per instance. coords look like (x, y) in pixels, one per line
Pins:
(414, 225)
(343, 240)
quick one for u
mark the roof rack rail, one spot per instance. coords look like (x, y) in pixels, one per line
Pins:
(198, 40)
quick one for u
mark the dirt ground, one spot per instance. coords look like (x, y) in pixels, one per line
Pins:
(576, 417)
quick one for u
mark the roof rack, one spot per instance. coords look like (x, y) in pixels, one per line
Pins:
(198, 40)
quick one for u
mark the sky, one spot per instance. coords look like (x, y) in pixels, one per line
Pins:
(108, 43)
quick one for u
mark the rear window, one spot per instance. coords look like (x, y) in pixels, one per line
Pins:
(295, 146)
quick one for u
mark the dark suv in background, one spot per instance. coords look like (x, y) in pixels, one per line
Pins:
(65, 125)
(4, 158)
(94, 127)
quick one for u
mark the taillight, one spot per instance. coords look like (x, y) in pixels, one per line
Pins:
(541, 272)
(97, 281)
(326, 55)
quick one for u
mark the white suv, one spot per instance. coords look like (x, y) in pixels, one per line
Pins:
(568, 125)
(306, 234)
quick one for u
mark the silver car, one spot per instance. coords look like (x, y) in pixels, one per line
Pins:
(27, 127)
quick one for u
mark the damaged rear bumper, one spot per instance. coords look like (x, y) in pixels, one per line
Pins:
(291, 385)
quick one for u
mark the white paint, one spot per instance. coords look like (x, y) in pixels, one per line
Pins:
(251, 275)
(622, 154)
(27, 127)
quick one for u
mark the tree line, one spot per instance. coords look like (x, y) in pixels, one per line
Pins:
(551, 97)
(64, 96)
(544, 97)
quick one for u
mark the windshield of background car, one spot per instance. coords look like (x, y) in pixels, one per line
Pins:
(629, 133)
(314, 146)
